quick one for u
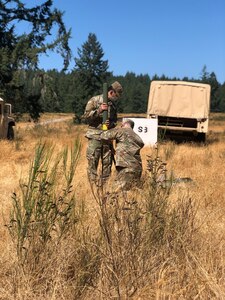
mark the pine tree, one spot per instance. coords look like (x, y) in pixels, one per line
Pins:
(21, 52)
(89, 74)
(204, 76)
(221, 96)
(210, 78)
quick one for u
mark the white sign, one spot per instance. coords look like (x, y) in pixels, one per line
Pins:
(147, 129)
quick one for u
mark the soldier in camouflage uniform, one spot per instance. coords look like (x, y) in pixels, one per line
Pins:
(128, 159)
(97, 150)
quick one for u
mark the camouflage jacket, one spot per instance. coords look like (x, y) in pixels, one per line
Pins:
(94, 118)
(128, 146)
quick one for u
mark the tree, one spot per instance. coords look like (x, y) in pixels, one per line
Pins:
(215, 100)
(135, 93)
(204, 74)
(90, 73)
(210, 78)
(221, 95)
(21, 52)
(49, 92)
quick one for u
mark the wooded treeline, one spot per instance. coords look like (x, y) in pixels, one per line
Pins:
(34, 91)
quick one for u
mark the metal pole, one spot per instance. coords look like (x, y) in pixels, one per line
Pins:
(105, 112)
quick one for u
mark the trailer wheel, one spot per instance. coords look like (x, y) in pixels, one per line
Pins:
(10, 134)
(201, 137)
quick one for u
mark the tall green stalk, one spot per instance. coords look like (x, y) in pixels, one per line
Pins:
(43, 209)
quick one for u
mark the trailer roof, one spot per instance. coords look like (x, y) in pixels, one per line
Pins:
(180, 99)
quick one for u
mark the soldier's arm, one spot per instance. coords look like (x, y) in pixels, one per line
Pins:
(93, 110)
(110, 135)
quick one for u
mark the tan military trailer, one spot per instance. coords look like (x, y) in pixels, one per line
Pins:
(6, 121)
(182, 108)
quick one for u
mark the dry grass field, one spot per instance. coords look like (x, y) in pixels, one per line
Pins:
(62, 240)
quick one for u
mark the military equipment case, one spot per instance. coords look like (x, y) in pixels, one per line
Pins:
(180, 106)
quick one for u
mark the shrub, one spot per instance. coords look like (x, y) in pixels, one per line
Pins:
(43, 210)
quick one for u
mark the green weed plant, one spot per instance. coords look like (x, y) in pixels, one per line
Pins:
(43, 209)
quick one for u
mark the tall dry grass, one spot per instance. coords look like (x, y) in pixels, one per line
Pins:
(150, 243)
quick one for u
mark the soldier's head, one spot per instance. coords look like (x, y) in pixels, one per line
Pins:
(115, 91)
(127, 124)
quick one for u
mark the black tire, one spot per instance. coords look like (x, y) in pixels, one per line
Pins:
(10, 134)
(201, 137)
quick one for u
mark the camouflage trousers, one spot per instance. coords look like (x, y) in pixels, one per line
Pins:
(99, 152)
(127, 178)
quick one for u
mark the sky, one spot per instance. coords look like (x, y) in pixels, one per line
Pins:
(171, 37)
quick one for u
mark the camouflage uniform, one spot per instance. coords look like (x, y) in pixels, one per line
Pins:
(97, 149)
(128, 159)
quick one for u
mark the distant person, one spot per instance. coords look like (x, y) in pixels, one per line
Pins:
(127, 155)
(96, 149)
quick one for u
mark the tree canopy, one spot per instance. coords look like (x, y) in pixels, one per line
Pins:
(21, 51)
(89, 74)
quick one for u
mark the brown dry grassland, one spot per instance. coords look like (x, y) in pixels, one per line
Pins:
(147, 244)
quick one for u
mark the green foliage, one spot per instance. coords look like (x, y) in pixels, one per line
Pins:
(21, 52)
(210, 78)
(64, 92)
(135, 95)
(221, 96)
(43, 211)
(89, 74)
(69, 92)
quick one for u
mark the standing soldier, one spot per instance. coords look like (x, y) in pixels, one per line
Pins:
(128, 158)
(93, 115)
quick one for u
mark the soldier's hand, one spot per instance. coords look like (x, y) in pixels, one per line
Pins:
(103, 107)
(107, 123)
